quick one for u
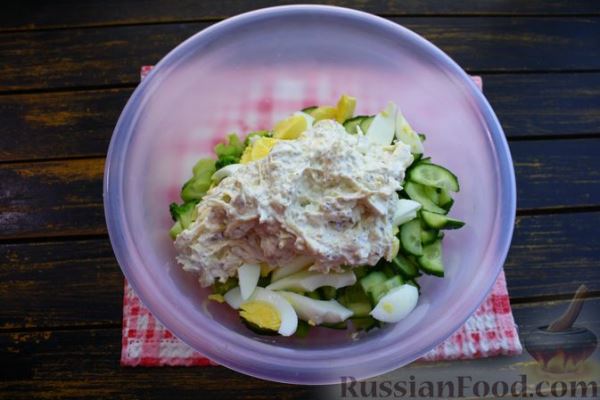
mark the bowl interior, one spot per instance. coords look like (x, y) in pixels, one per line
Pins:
(244, 75)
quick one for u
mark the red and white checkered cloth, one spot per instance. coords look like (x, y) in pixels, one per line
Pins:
(490, 331)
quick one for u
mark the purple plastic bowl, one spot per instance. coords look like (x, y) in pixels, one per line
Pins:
(164, 128)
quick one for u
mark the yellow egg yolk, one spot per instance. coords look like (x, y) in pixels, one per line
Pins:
(261, 314)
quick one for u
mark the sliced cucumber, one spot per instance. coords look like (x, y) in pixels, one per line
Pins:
(366, 123)
(372, 280)
(360, 309)
(444, 199)
(434, 175)
(352, 123)
(360, 271)
(406, 134)
(438, 221)
(393, 282)
(418, 193)
(302, 330)
(352, 294)
(338, 326)
(432, 193)
(388, 270)
(313, 295)
(406, 267)
(383, 288)
(429, 236)
(431, 260)
(327, 292)
(410, 237)
(364, 323)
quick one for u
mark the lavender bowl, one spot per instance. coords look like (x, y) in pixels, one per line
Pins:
(202, 89)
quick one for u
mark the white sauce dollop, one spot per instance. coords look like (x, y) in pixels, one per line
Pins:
(327, 194)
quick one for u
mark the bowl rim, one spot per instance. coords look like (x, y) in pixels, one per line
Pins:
(234, 355)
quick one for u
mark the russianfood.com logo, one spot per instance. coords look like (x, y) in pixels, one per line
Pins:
(465, 387)
(561, 369)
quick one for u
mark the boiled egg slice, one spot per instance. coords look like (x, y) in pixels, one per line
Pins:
(317, 312)
(382, 129)
(406, 210)
(396, 304)
(407, 135)
(307, 281)
(224, 172)
(269, 310)
(294, 265)
(248, 275)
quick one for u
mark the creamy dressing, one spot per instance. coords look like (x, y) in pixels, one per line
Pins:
(327, 194)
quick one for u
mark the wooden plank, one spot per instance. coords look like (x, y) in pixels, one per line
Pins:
(83, 364)
(52, 198)
(59, 198)
(80, 123)
(68, 283)
(109, 56)
(33, 15)
(557, 173)
(550, 256)
(59, 125)
(545, 104)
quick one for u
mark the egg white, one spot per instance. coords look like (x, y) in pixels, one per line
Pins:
(396, 304)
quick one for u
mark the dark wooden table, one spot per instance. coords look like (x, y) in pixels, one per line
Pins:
(67, 69)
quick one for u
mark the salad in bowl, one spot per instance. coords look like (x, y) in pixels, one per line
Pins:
(328, 219)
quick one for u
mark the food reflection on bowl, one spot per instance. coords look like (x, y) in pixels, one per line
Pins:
(561, 352)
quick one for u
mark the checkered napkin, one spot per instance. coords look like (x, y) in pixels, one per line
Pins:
(490, 331)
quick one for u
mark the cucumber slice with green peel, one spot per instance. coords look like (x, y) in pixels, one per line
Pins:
(371, 280)
(377, 293)
(410, 237)
(364, 323)
(352, 294)
(351, 123)
(418, 193)
(444, 199)
(393, 282)
(327, 292)
(360, 272)
(438, 221)
(338, 326)
(313, 295)
(388, 270)
(366, 123)
(431, 260)
(359, 309)
(308, 109)
(434, 175)
(406, 267)
(433, 194)
(429, 236)
(302, 330)
(383, 288)
(448, 205)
